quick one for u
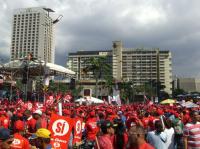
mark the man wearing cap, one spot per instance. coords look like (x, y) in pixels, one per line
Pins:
(30, 122)
(104, 140)
(5, 138)
(19, 141)
(43, 139)
(91, 128)
(40, 122)
(121, 116)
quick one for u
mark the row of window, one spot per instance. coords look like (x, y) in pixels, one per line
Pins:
(30, 20)
(25, 40)
(22, 26)
(23, 53)
(21, 40)
(24, 35)
(33, 27)
(22, 15)
(26, 31)
(24, 47)
(25, 44)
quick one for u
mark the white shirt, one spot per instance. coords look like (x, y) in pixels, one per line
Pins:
(170, 138)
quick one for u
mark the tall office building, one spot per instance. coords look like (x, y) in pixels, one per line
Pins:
(32, 32)
(130, 64)
(76, 61)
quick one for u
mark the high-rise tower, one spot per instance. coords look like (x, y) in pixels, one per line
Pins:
(32, 32)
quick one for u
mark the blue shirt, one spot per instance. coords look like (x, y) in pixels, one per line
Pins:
(157, 140)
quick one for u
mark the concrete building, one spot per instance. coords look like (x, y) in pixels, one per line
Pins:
(187, 84)
(32, 32)
(138, 65)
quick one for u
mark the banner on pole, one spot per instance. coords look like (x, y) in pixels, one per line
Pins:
(61, 128)
(77, 130)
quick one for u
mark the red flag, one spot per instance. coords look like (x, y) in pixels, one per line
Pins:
(39, 106)
(61, 128)
(20, 102)
(49, 101)
(77, 130)
(67, 98)
(29, 105)
(58, 96)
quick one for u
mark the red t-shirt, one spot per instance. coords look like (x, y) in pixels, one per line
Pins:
(186, 119)
(4, 122)
(91, 128)
(152, 121)
(20, 142)
(31, 122)
(143, 146)
(145, 122)
(105, 142)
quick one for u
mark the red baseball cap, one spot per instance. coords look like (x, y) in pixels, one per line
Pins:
(66, 112)
(19, 125)
(92, 114)
(19, 114)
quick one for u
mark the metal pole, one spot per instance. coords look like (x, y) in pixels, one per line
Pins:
(27, 78)
(11, 87)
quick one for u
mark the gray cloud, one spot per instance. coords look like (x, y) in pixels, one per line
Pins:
(93, 25)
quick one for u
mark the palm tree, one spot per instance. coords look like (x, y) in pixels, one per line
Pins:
(99, 67)
(109, 84)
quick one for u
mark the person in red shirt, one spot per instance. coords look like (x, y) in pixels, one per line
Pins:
(40, 122)
(145, 120)
(137, 138)
(30, 123)
(4, 120)
(121, 137)
(152, 120)
(19, 141)
(104, 141)
(91, 128)
(186, 117)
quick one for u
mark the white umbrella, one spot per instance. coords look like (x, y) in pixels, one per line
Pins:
(38, 66)
(90, 100)
(189, 104)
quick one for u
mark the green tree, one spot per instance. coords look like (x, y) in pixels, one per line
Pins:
(76, 91)
(99, 67)
(156, 87)
(109, 84)
(127, 91)
(58, 86)
(19, 84)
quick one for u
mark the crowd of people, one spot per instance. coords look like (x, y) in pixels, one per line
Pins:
(133, 126)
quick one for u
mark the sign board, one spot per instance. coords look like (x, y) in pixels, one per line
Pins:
(61, 128)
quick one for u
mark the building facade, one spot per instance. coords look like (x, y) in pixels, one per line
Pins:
(129, 64)
(187, 84)
(32, 32)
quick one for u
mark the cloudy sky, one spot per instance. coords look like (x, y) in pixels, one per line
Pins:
(93, 24)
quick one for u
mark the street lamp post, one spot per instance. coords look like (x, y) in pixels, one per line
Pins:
(49, 10)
